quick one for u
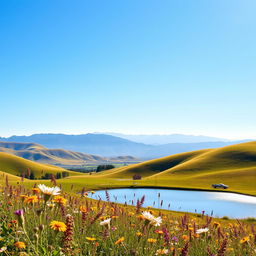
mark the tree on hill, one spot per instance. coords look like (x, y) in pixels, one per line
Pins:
(104, 167)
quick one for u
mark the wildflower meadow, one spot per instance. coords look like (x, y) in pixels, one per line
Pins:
(47, 221)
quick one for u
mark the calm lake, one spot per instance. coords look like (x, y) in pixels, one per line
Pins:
(217, 204)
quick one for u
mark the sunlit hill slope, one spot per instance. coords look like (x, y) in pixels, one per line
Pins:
(234, 165)
(16, 165)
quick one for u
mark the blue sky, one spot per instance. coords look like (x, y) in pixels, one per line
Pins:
(138, 67)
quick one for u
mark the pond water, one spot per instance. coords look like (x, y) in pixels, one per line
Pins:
(217, 204)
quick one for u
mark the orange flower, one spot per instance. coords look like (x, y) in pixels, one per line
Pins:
(23, 197)
(140, 217)
(120, 240)
(160, 232)
(114, 217)
(60, 200)
(58, 226)
(31, 199)
(83, 209)
(36, 190)
(185, 237)
(20, 245)
(216, 224)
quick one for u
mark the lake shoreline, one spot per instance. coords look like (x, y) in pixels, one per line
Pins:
(176, 188)
(217, 205)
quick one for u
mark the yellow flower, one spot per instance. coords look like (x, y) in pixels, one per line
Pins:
(120, 240)
(114, 217)
(20, 245)
(90, 238)
(31, 199)
(60, 200)
(230, 249)
(244, 239)
(131, 214)
(139, 234)
(58, 225)
(151, 240)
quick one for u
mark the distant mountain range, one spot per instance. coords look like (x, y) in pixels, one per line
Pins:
(61, 157)
(112, 146)
(156, 139)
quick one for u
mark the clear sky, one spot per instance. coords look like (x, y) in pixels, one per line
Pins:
(130, 66)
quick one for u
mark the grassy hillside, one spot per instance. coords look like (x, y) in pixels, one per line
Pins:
(151, 167)
(233, 165)
(16, 166)
(38, 153)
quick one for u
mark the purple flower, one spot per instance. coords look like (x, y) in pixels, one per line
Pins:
(175, 238)
(19, 212)
(114, 228)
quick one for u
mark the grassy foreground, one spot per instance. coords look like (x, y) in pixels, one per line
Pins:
(44, 222)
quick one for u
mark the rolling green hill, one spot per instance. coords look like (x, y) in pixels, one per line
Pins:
(16, 166)
(38, 153)
(233, 165)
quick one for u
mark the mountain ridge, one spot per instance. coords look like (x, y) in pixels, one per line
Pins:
(111, 146)
(41, 154)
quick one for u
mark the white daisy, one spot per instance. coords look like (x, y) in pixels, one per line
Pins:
(162, 252)
(152, 220)
(105, 222)
(3, 249)
(54, 191)
(148, 216)
(156, 221)
(202, 230)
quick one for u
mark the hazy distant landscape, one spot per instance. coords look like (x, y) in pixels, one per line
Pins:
(112, 146)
